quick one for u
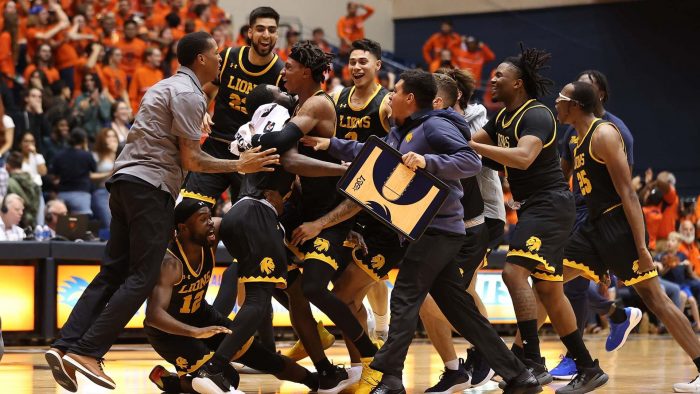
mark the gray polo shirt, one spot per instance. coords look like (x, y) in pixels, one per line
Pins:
(171, 109)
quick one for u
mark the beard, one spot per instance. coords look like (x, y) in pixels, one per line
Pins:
(687, 239)
(262, 52)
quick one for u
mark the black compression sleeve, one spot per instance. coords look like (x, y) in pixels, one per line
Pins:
(283, 140)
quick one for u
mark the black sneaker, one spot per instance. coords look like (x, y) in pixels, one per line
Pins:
(208, 381)
(588, 379)
(539, 370)
(477, 368)
(164, 380)
(333, 380)
(525, 383)
(451, 381)
(384, 389)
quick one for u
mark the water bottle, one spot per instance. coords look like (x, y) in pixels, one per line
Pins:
(46, 232)
(38, 233)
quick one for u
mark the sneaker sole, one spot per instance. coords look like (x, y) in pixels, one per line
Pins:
(242, 369)
(635, 318)
(60, 375)
(93, 378)
(343, 384)
(488, 377)
(563, 377)
(206, 386)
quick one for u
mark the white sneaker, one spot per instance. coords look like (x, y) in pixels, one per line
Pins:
(692, 387)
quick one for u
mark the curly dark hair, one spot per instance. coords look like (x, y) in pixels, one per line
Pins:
(530, 62)
(311, 56)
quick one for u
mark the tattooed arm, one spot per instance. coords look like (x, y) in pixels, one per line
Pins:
(344, 211)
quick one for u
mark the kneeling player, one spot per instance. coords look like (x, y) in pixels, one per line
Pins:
(182, 327)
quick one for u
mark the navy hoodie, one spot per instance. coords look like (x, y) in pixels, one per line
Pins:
(441, 137)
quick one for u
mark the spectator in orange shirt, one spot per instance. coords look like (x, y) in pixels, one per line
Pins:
(242, 39)
(473, 57)
(44, 62)
(444, 39)
(109, 36)
(123, 13)
(145, 76)
(132, 48)
(42, 30)
(318, 37)
(443, 61)
(88, 63)
(292, 38)
(688, 245)
(113, 76)
(218, 15)
(670, 204)
(8, 45)
(219, 36)
(351, 26)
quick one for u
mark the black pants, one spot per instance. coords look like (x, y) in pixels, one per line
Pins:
(142, 224)
(430, 266)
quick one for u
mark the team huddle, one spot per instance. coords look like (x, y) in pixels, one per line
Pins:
(292, 234)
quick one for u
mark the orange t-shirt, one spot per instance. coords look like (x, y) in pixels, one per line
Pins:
(132, 54)
(65, 55)
(114, 80)
(692, 251)
(81, 70)
(7, 64)
(51, 73)
(353, 28)
(652, 219)
(143, 78)
(32, 41)
(670, 213)
(437, 42)
(474, 61)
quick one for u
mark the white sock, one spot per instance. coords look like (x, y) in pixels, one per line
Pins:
(381, 322)
(452, 365)
(353, 365)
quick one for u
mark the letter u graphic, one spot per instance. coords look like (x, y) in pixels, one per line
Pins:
(397, 183)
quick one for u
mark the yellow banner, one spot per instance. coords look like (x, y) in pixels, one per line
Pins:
(17, 295)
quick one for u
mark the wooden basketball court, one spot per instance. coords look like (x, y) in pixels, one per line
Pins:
(647, 364)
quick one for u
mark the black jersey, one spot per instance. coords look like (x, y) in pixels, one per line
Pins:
(318, 195)
(544, 174)
(238, 76)
(359, 123)
(188, 294)
(592, 175)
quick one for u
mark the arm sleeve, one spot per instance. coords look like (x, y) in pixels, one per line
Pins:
(537, 122)
(188, 111)
(344, 150)
(283, 140)
(454, 158)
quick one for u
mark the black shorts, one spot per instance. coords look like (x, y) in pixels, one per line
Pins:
(606, 243)
(187, 354)
(384, 249)
(327, 247)
(255, 238)
(544, 225)
(208, 187)
(472, 254)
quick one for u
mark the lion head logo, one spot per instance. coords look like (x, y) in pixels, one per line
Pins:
(181, 362)
(378, 262)
(533, 244)
(635, 266)
(321, 244)
(267, 265)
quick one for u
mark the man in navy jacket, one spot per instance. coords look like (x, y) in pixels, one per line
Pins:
(433, 141)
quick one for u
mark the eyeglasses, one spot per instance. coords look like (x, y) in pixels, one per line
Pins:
(564, 98)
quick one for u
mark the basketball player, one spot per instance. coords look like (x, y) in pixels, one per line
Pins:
(431, 140)
(163, 144)
(522, 138)
(182, 327)
(613, 237)
(242, 69)
(253, 221)
(581, 293)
